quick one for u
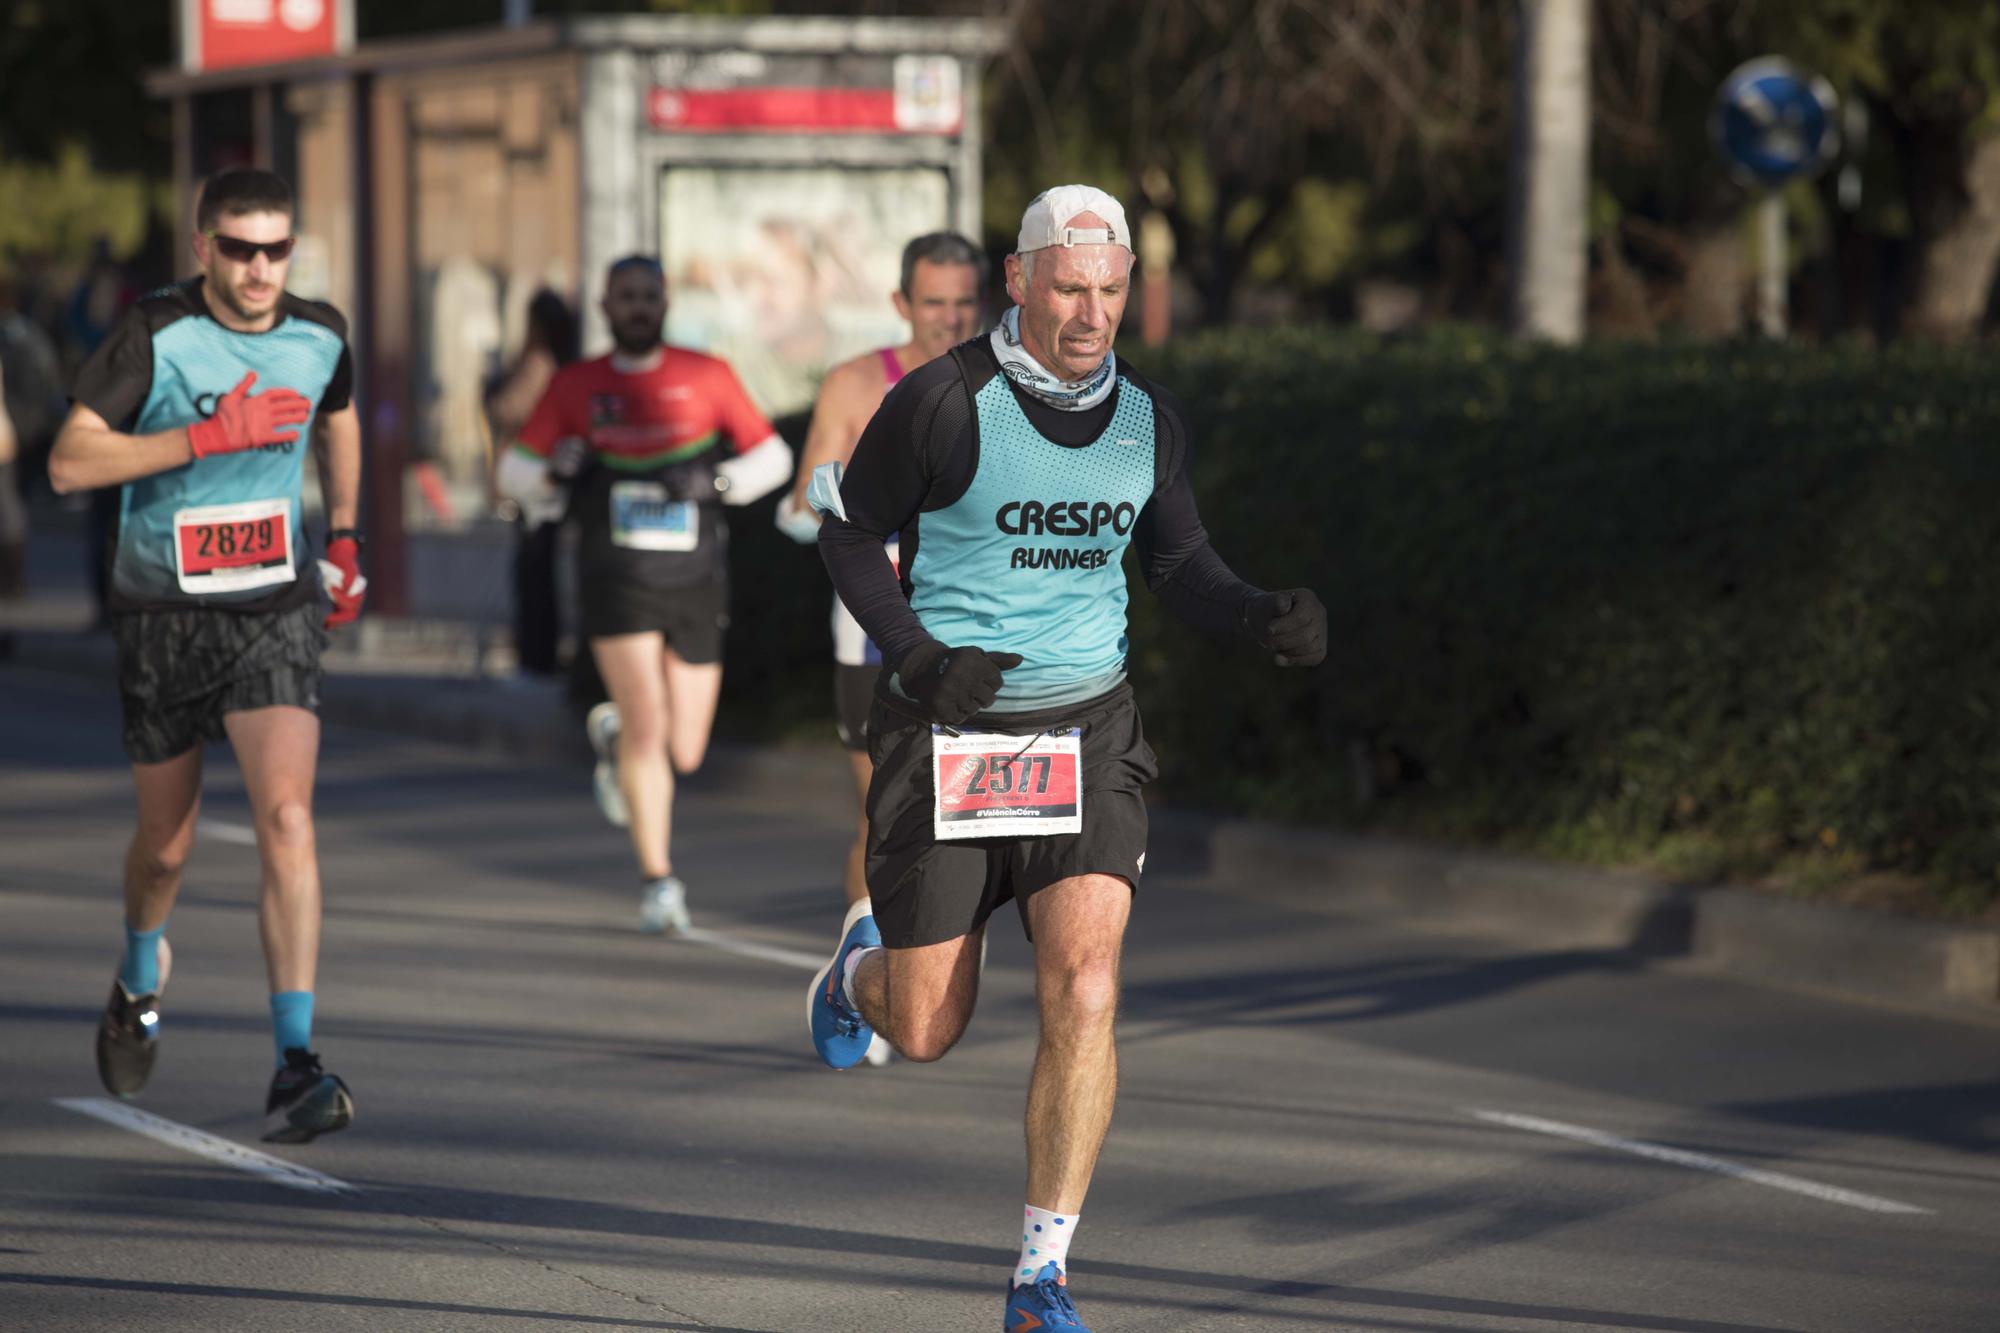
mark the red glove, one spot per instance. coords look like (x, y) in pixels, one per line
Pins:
(246, 421)
(340, 574)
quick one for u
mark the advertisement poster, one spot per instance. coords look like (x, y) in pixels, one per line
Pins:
(785, 271)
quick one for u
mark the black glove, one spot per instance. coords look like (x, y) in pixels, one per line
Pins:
(570, 456)
(1291, 624)
(692, 481)
(951, 684)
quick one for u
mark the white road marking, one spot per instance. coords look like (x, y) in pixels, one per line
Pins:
(176, 1135)
(768, 952)
(223, 831)
(1699, 1161)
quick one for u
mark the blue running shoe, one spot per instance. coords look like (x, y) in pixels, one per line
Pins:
(1043, 1303)
(840, 1035)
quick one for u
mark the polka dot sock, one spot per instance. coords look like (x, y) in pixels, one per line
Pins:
(1044, 1239)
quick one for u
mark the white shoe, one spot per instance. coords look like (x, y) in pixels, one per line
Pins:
(602, 728)
(879, 1052)
(663, 907)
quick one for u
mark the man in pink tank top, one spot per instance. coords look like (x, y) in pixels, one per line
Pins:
(943, 277)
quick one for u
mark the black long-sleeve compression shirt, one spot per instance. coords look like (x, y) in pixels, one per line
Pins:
(918, 455)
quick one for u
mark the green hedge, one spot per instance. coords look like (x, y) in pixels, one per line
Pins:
(1723, 610)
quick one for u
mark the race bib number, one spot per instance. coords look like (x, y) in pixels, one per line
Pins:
(992, 785)
(230, 548)
(644, 519)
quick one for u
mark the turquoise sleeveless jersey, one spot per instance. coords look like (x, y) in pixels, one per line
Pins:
(195, 361)
(1030, 559)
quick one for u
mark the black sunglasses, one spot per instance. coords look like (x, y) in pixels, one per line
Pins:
(239, 251)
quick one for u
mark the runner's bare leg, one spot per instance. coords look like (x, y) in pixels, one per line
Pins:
(1079, 930)
(631, 667)
(857, 853)
(169, 795)
(692, 691)
(920, 999)
(278, 750)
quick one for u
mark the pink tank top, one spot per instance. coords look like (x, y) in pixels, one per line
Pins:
(891, 367)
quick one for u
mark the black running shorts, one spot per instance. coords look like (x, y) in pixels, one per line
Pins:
(180, 670)
(853, 697)
(692, 618)
(926, 891)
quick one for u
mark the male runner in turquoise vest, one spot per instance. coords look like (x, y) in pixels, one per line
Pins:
(943, 275)
(198, 407)
(1009, 758)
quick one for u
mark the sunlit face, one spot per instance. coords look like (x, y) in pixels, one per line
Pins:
(635, 305)
(248, 288)
(942, 306)
(1072, 302)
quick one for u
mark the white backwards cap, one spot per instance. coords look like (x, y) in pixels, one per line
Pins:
(1047, 220)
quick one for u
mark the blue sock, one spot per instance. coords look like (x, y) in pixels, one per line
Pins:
(292, 1020)
(140, 972)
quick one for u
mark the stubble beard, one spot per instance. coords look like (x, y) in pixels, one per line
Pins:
(636, 344)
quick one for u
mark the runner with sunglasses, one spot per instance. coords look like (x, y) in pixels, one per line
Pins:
(198, 407)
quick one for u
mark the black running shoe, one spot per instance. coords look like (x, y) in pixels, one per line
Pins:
(128, 1037)
(305, 1100)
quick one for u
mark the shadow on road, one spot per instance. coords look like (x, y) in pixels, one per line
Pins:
(1355, 994)
(202, 1290)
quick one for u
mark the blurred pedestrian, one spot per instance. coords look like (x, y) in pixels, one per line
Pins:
(100, 296)
(549, 344)
(652, 440)
(13, 514)
(34, 379)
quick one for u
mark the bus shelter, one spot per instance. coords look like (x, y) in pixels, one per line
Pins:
(776, 166)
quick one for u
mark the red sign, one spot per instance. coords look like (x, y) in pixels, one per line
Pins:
(919, 109)
(221, 34)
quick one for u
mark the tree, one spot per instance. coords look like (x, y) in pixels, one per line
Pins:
(1550, 214)
(1931, 76)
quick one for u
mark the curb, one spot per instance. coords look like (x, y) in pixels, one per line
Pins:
(1753, 935)
(1520, 899)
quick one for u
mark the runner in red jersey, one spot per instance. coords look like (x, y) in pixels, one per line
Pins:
(652, 441)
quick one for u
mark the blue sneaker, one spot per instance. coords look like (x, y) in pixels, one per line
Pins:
(1043, 1303)
(840, 1035)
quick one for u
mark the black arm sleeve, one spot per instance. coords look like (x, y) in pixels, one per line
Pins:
(115, 380)
(340, 389)
(890, 478)
(1175, 557)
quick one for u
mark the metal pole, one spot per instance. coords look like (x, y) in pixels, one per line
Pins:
(1772, 265)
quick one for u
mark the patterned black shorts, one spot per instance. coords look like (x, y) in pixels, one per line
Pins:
(180, 670)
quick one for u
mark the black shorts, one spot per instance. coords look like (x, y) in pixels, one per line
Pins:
(691, 617)
(926, 891)
(853, 697)
(181, 670)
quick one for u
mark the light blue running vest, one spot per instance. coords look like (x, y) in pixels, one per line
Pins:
(1030, 559)
(195, 362)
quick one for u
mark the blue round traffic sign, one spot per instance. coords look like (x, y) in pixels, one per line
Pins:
(1773, 122)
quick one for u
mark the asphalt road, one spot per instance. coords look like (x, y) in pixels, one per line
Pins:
(564, 1124)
